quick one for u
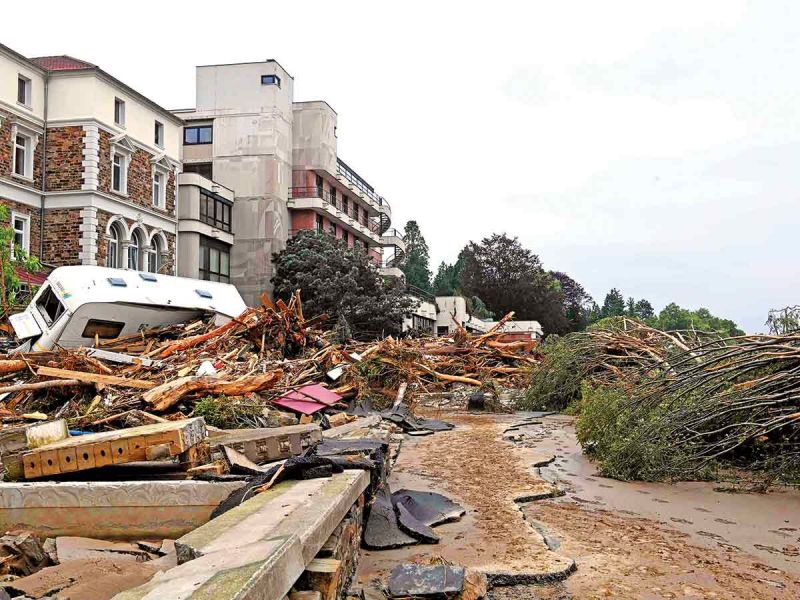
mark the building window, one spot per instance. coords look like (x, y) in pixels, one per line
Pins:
(203, 169)
(24, 90)
(333, 196)
(320, 226)
(215, 260)
(113, 246)
(159, 134)
(119, 112)
(332, 229)
(345, 205)
(319, 186)
(270, 80)
(23, 156)
(136, 251)
(215, 211)
(201, 134)
(119, 174)
(156, 261)
(21, 224)
(158, 189)
(346, 237)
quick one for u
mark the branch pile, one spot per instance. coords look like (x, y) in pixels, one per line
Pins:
(250, 361)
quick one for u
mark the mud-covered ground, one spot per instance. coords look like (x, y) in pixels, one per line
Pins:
(628, 540)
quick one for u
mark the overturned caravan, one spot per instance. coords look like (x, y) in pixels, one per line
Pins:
(78, 305)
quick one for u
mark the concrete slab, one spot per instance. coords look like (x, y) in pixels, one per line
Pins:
(264, 570)
(111, 510)
(346, 430)
(258, 549)
(310, 509)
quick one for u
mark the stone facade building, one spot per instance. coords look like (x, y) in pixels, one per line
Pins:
(88, 166)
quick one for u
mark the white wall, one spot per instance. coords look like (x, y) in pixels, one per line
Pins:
(314, 137)
(77, 97)
(10, 69)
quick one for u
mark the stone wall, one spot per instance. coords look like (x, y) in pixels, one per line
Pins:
(343, 545)
(64, 158)
(62, 236)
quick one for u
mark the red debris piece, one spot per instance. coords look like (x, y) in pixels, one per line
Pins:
(308, 399)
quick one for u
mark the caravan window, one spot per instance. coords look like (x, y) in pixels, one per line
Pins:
(105, 330)
(50, 306)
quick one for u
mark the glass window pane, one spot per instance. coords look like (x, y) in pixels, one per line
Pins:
(214, 260)
(225, 263)
(190, 135)
(204, 135)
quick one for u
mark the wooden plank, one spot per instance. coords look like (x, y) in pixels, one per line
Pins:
(95, 378)
(147, 442)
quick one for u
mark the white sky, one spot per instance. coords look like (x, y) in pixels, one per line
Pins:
(650, 146)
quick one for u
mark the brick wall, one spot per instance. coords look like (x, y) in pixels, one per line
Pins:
(33, 213)
(5, 144)
(61, 236)
(64, 158)
(102, 223)
(140, 177)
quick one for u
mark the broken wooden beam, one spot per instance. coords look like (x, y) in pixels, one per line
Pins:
(95, 378)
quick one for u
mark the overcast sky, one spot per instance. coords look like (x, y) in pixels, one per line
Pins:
(649, 146)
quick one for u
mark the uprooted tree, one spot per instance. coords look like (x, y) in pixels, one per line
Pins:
(687, 404)
(340, 282)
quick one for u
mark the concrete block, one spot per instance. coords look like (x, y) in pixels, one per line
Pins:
(310, 509)
(264, 570)
(111, 510)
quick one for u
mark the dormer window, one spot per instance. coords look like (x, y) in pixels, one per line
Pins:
(159, 134)
(270, 80)
(24, 90)
(119, 112)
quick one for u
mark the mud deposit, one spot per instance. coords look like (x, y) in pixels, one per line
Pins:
(628, 540)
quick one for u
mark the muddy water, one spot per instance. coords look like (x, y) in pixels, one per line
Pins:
(764, 525)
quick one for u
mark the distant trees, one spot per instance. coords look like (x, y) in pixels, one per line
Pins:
(446, 282)
(782, 321)
(341, 282)
(675, 317)
(578, 304)
(415, 263)
(509, 277)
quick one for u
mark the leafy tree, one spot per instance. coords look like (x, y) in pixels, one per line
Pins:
(10, 284)
(613, 305)
(340, 282)
(415, 263)
(507, 276)
(577, 302)
(675, 317)
(477, 308)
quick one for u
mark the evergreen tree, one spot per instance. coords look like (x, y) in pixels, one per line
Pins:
(415, 262)
(613, 305)
(577, 303)
(340, 282)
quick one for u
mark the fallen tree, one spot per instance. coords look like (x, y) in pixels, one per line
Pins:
(656, 405)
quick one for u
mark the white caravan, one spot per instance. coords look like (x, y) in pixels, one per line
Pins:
(77, 304)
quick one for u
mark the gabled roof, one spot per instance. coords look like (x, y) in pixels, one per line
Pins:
(123, 141)
(62, 63)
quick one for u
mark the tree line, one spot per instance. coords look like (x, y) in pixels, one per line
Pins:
(496, 275)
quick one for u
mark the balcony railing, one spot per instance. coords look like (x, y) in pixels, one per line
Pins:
(359, 183)
(335, 202)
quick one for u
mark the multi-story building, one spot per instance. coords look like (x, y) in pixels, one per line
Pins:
(88, 166)
(279, 158)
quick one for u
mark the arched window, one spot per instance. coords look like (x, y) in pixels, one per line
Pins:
(155, 264)
(113, 249)
(136, 251)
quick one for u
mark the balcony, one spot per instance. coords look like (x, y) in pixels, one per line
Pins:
(318, 200)
(358, 185)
